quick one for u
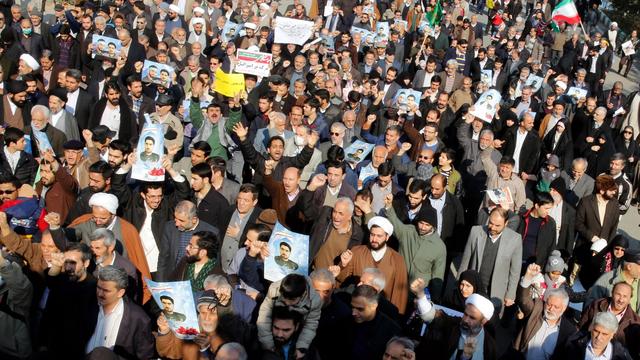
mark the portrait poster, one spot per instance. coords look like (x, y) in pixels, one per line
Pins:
(41, 141)
(382, 32)
(368, 37)
(535, 82)
(628, 48)
(328, 42)
(148, 165)
(407, 98)
(367, 173)
(175, 299)
(501, 196)
(358, 151)
(156, 73)
(576, 93)
(486, 76)
(230, 31)
(368, 9)
(288, 254)
(228, 84)
(292, 31)
(106, 47)
(253, 62)
(485, 107)
(403, 23)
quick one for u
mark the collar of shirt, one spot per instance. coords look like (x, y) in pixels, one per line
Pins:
(606, 354)
(620, 315)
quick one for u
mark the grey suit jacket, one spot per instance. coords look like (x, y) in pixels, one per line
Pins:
(69, 126)
(583, 187)
(310, 168)
(506, 270)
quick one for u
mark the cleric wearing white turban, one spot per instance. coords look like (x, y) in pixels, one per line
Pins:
(29, 62)
(456, 335)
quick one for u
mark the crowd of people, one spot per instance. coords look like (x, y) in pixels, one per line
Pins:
(433, 232)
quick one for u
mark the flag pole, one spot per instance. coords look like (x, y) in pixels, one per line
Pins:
(583, 31)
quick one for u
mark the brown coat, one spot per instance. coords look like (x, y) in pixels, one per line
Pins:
(281, 204)
(62, 194)
(628, 326)
(392, 266)
(133, 246)
(30, 251)
(533, 311)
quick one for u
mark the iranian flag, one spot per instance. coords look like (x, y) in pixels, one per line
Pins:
(565, 11)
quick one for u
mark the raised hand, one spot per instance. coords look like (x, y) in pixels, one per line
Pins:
(345, 258)
(317, 181)
(405, 147)
(335, 270)
(532, 271)
(371, 118)
(163, 324)
(363, 205)
(269, 165)
(241, 131)
(388, 201)
(52, 218)
(417, 287)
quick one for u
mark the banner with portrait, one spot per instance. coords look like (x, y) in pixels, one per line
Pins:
(357, 152)
(156, 73)
(148, 165)
(288, 254)
(105, 46)
(253, 62)
(292, 31)
(175, 299)
(485, 107)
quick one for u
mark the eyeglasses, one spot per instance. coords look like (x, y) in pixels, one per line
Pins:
(628, 132)
(423, 157)
(7, 192)
(336, 133)
(189, 246)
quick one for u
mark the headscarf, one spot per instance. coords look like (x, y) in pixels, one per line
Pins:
(455, 300)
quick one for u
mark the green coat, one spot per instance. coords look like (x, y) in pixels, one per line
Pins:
(210, 133)
(425, 256)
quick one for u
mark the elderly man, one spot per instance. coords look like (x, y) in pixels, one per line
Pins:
(293, 146)
(545, 331)
(454, 337)
(599, 342)
(579, 184)
(334, 229)
(41, 125)
(231, 301)
(276, 127)
(495, 251)
(103, 247)
(337, 137)
(176, 235)
(376, 254)
(618, 305)
(104, 207)
(629, 273)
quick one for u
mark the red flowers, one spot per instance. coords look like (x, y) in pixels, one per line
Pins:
(156, 172)
(186, 331)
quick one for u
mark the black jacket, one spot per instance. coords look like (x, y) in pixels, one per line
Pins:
(529, 153)
(128, 122)
(25, 169)
(546, 239)
(577, 347)
(134, 206)
(214, 209)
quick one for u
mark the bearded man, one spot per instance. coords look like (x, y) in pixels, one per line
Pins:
(200, 260)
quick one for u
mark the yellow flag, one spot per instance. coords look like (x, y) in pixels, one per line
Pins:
(490, 4)
(228, 84)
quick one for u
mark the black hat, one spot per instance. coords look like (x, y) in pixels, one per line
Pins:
(164, 99)
(250, 77)
(60, 93)
(58, 7)
(276, 79)
(632, 255)
(73, 145)
(559, 185)
(427, 214)
(101, 133)
(104, 9)
(16, 86)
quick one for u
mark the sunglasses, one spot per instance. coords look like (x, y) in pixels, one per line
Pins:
(628, 132)
(7, 192)
(618, 248)
(336, 133)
